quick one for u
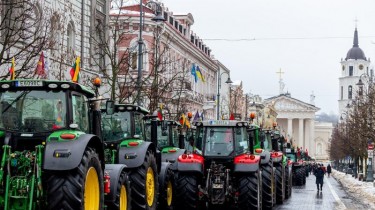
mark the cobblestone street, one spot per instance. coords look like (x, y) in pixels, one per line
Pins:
(333, 196)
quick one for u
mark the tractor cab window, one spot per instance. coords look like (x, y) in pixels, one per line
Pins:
(139, 125)
(147, 124)
(242, 143)
(292, 157)
(116, 126)
(267, 141)
(163, 134)
(32, 110)
(218, 141)
(80, 112)
(175, 136)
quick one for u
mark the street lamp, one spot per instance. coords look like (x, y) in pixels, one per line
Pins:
(218, 91)
(158, 18)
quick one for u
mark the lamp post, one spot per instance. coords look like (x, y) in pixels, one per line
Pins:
(158, 18)
(218, 92)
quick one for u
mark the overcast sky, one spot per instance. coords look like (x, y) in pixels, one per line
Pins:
(305, 38)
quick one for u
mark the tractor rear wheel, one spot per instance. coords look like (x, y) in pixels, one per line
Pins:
(81, 188)
(288, 182)
(123, 198)
(267, 186)
(167, 190)
(144, 184)
(249, 188)
(187, 191)
(300, 176)
(280, 180)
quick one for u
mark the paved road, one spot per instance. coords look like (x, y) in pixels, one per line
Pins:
(332, 197)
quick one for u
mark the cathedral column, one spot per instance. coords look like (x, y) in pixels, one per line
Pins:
(290, 128)
(311, 142)
(300, 134)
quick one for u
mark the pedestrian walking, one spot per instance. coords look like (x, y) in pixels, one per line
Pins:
(319, 174)
(329, 170)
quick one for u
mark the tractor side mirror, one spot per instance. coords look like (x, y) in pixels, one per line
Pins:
(110, 107)
(212, 132)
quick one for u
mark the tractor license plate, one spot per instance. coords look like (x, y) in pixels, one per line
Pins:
(217, 186)
(29, 83)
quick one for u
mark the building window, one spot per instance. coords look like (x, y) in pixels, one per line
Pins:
(342, 92)
(133, 57)
(70, 37)
(171, 20)
(319, 149)
(350, 70)
(350, 92)
(55, 35)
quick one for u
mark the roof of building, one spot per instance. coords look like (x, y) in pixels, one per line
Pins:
(355, 52)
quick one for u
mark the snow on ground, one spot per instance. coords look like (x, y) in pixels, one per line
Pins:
(364, 191)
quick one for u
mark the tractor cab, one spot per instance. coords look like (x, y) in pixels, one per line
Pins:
(221, 139)
(33, 109)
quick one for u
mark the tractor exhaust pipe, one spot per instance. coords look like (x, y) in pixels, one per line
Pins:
(154, 132)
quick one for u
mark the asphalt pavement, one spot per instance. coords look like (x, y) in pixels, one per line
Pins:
(333, 196)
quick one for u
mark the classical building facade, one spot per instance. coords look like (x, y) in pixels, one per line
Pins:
(69, 26)
(296, 120)
(323, 132)
(184, 51)
(353, 67)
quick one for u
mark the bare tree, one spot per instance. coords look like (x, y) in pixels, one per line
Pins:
(23, 35)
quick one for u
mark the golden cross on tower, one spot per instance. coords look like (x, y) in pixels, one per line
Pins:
(280, 73)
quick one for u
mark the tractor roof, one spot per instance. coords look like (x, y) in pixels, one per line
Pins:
(221, 123)
(36, 84)
(130, 108)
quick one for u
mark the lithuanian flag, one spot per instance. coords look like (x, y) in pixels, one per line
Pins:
(12, 70)
(74, 71)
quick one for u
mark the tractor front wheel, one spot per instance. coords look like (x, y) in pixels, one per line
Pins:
(280, 184)
(250, 191)
(123, 198)
(267, 185)
(300, 176)
(144, 184)
(81, 188)
(288, 183)
(167, 190)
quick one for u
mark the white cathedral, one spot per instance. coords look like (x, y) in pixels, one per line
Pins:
(354, 67)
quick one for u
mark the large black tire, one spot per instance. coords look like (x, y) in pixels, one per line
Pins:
(187, 191)
(123, 194)
(167, 191)
(249, 188)
(280, 183)
(300, 176)
(139, 184)
(66, 189)
(288, 182)
(267, 186)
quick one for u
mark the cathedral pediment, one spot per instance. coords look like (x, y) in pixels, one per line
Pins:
(284, 103)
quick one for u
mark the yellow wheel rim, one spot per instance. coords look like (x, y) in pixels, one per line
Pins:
(123, 198)
(169, 193)
(92, 191)
(150, 186)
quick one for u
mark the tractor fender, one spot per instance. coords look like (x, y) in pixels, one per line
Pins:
(133, 157)
(172, 157)
(163, 172)
(114, 171)
(66, 155)
(190, 163)
(246, 163)
(266, 156)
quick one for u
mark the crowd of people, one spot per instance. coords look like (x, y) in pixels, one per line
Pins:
(319, 170)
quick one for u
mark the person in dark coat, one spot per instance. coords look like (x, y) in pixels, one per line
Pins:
(329, 169)
(319, 174)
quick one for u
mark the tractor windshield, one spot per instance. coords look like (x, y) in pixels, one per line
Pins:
(292, 157)
(32, 110)
(116, 126)
(219, 141)
(167, 136)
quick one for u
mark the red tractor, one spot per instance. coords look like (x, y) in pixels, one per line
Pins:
(219, 168)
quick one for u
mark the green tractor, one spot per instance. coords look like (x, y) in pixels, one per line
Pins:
(221, 169)
(127, 143)
(52, 156)
(298, 166)
(262, 143)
